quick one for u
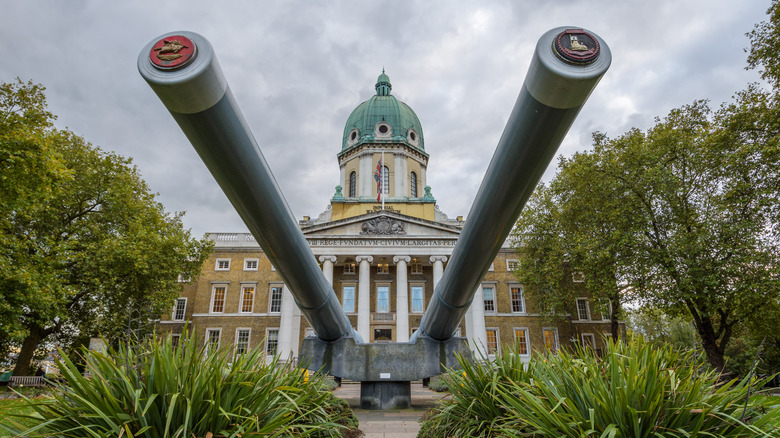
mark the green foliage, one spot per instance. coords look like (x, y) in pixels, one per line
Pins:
(636, 389)
(85, 248)
(157, 390)
(438, 384)
(657, 327)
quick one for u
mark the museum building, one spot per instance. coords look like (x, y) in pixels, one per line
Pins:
(383, 244)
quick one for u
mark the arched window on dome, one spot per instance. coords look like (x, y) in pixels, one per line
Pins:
(352, 184)
(386, 181)
(413, 185)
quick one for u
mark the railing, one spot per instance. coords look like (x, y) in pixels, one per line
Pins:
(27, 381)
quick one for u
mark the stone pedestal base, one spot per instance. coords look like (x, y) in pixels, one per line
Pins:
(385, 395)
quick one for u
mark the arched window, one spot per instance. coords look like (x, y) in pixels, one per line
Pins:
(352, 184)
(386, 181)
(413, 185)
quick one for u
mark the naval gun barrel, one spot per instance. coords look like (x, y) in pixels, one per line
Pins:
(183, 71)
(566, 66)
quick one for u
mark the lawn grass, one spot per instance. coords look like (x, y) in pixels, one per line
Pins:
(11, 408)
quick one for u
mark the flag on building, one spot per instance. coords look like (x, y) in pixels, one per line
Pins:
(378, 178)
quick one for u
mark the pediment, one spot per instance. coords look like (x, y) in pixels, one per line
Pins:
(383, 224)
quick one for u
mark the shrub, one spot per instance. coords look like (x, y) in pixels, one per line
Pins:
(438, 384)
(636, 390)
(158, 390)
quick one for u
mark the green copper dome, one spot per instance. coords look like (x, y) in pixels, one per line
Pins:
(383, 118)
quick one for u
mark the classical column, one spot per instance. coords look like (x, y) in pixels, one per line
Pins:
(327, 267)
(438, 269)
(402, 299)
(284, 348)
(295, 333)
(479, 336)
(364, 297)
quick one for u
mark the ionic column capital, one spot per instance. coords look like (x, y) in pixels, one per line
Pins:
(360, 258)
(435, 259)
(332, 259)
(405, 259)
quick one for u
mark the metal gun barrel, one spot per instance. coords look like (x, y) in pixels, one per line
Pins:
(183, 71)
(566, 66)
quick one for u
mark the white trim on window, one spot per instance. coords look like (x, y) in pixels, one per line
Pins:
(213, 301)
(489, 304)
(242, 298)
(382, 309)
(210, 339)
(526, 342)
(555, 342)
(492, 347)
(174, 315)
(517, 305)
(352, 288)
(251, 264)
(512, 264)
(222, 265)
(419, 288)
(237, 339)
(589, 343)
(583, 309)
(274, 301)
(271, 343)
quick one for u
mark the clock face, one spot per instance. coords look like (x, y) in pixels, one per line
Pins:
(576, 46)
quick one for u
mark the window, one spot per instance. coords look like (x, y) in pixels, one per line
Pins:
(521, 339)
(385, 181)
(175, 337)
(492, 341)
(182, 279)
(348, 298)
(583, 312)
(491, 268)
(383, 335)
(310, 333)
(512, 265)
(242, 341)
(417, 299)
(247, 298)
(250, 264)
(551, 339)
(413, 185)
(349, 267)
(489, 298)
(606, 310)
(383, 268)
(222, 265)
(589, 341)
(578, 277)
(417, 268)
(352, 184)
(218, 298)
(383, 299)
(272, 342)
(179, 308)
(516, 295)
(212, 340)
(275, 300)
(457, 333)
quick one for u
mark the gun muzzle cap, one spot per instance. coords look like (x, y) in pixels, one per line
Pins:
(172, 52)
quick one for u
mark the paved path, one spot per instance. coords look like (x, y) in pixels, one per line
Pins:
(396, 423)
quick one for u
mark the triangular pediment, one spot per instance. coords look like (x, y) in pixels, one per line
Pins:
(385, 224)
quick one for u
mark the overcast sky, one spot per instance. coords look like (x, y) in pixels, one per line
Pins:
(298, 68)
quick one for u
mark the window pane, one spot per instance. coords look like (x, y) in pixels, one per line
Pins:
(352, 184)
(417, 299)
(492, 341)
(551, 339)
(247, 298)
(276, 300)
(521, 337)
(272, 342)
(385, 182)
(181, 305)
(517, 299)
(582, 308)
(383, 299)
(413, 185)
(383, 335)
(488, 296)
(242, 341)
(349, 299)
(213, 340)
(219, 299)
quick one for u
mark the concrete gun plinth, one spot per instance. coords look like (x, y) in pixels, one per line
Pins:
(384, 370)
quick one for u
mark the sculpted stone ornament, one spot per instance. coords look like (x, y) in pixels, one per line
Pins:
(383, 225)
(172, 52)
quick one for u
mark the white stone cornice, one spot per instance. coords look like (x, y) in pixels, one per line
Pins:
(435, 259)
(360, 258)
(331, 258)
(406, 259)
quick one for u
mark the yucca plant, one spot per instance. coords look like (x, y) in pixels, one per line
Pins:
(156, 389)
(635, 390)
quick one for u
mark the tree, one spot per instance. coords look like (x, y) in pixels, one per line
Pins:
(689, 225)
(95, 251)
